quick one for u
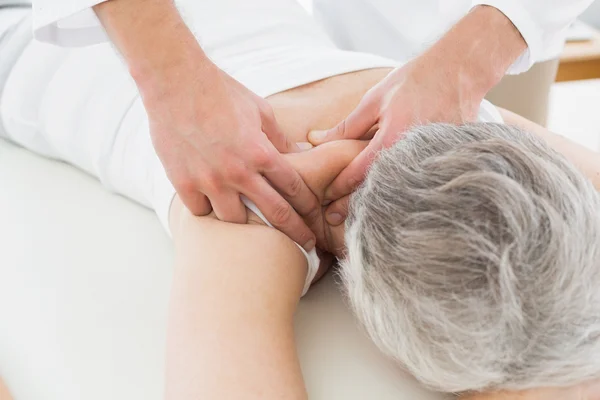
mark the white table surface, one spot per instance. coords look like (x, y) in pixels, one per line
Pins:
(84, 285)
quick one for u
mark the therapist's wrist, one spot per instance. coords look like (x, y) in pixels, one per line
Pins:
(161, 78)
(160, 50)
(476, 53)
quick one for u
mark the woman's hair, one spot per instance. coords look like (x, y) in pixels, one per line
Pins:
(474, 260)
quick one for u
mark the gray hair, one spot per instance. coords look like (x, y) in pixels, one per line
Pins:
(474, 260)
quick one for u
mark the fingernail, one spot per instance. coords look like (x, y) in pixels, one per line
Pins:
(317, 135)
(334, 219)
(303, 146)
(308, 246)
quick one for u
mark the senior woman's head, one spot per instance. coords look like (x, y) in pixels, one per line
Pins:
(474, 260)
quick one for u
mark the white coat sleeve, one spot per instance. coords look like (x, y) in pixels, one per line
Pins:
(542, 23)
(68, 23)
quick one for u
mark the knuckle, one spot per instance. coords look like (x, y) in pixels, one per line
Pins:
(237, 174)
(267, 110)
(184, 184)
(340, 206)
(262, 157)
(282, 213)
(341, 129)
(212, 182)
(295, 186)
(288, 146)
(264, 107)
(313, 215)
(304, 237)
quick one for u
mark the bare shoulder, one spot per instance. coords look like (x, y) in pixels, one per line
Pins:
(4, 394)
(322, 104)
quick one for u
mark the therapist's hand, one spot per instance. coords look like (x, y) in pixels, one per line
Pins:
(216, 139)
(411, 95)
(445, 84)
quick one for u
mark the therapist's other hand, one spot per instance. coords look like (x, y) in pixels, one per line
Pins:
(217, 140)
(444, 84)
(414, 94)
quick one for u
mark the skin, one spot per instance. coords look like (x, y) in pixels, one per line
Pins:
(253, 291)
(223, 289)
(210, 157)
(230, 331)
(585, 391)
(250, 289)
(445, 84)
(213, 157)
(249, 286)
(4, 394)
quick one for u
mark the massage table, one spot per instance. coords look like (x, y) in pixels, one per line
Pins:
(84, 287)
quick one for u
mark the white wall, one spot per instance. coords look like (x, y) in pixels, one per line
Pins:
(574, 111)
(592, 15)
(306, 4)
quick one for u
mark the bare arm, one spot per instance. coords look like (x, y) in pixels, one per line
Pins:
(474, 56)
(586, 160)
(4, 394)
(216, 139)
(444, 84)
(586, 391)
(235, 291)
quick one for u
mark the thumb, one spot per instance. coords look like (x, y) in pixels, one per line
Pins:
(356, 125)
(353, 174)
(337, 211)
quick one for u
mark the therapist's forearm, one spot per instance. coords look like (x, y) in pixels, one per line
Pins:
(154, 41)
(476, 53)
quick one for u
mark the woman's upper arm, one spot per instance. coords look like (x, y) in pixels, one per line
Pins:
(235, 291)
(252, 255)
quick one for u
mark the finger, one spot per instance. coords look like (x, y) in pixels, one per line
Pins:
(353, 174)
(229, 208)
(280, 213)
(371, 132)
(337, 211)
(288, 182)
(270, 127)
(354, 126)
(197, 203)
(300, 196)
(304, 146)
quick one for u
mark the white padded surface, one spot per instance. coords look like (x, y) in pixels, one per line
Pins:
(84, 285)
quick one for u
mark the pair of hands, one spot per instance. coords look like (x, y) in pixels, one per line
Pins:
(218, 140)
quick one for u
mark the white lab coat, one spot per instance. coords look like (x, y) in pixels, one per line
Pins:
(398, 29)
(402, 29)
